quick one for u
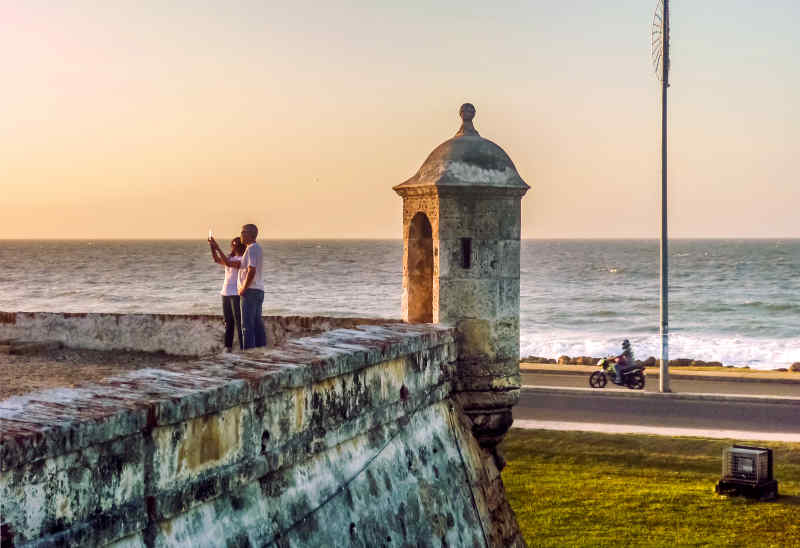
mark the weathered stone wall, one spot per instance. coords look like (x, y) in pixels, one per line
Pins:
(176, 334)
(482, 301)
(344, 438)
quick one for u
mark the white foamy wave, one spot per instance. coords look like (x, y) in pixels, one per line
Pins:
(730, 350)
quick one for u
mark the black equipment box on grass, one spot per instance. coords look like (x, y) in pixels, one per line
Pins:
(747, 471)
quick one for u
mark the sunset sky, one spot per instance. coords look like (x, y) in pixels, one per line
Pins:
(162, 119)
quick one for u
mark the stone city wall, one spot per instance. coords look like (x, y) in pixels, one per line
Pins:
(343, 438)
(176, 334)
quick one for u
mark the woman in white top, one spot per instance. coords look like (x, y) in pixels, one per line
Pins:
(230, 297)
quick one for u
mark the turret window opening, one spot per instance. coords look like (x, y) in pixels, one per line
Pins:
(466, 252)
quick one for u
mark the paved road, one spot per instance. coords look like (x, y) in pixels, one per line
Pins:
(605, 410)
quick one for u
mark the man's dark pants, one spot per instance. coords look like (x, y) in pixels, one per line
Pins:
(252, 324)
(232, 313)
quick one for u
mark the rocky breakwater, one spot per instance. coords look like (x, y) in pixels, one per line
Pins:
(649, 362)
(344, 438)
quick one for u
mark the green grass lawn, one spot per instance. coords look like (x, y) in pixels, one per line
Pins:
(590, 489)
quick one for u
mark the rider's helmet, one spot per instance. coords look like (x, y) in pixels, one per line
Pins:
(626, 350)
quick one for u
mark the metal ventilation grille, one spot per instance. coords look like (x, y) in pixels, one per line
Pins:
(748, 465)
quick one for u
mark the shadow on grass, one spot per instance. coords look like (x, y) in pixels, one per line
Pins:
(782, 500)
(787, 500)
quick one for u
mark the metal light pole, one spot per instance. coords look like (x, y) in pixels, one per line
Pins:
(660, 52)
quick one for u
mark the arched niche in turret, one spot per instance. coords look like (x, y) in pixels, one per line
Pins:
(420, 270)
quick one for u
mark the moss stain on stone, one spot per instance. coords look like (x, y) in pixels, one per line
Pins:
(208, 439)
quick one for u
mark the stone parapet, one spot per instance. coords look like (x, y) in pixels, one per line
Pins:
(176, 334)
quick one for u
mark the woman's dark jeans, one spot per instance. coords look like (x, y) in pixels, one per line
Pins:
(233, 320)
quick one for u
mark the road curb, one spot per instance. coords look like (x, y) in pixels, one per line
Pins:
(623, 393)
(672, 375)
(668, 431)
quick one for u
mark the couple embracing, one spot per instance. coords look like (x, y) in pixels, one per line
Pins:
(243, 288)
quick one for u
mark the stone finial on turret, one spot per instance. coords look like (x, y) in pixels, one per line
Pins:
(467, 113)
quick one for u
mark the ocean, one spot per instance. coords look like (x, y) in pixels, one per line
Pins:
(734, 301)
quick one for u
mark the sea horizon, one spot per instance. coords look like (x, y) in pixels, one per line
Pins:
(732, 300)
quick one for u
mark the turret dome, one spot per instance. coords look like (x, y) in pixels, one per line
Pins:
(467, 160)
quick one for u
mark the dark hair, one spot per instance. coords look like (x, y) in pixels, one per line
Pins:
(238, 246)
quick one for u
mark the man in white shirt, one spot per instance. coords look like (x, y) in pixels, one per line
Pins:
(251, 289)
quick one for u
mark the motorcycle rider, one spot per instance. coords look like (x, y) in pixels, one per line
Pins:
(623, 362)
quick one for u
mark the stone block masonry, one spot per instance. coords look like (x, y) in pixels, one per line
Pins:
(347, 437)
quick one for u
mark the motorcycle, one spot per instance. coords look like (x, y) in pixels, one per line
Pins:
(633, 378)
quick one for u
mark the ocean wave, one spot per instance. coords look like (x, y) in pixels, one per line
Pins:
(604, 314)
(757, 353)
(700, 308)
(771, 307)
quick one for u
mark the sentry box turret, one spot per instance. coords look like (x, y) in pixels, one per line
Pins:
(747, 471)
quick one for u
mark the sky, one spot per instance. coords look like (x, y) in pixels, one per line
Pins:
(164, 119)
